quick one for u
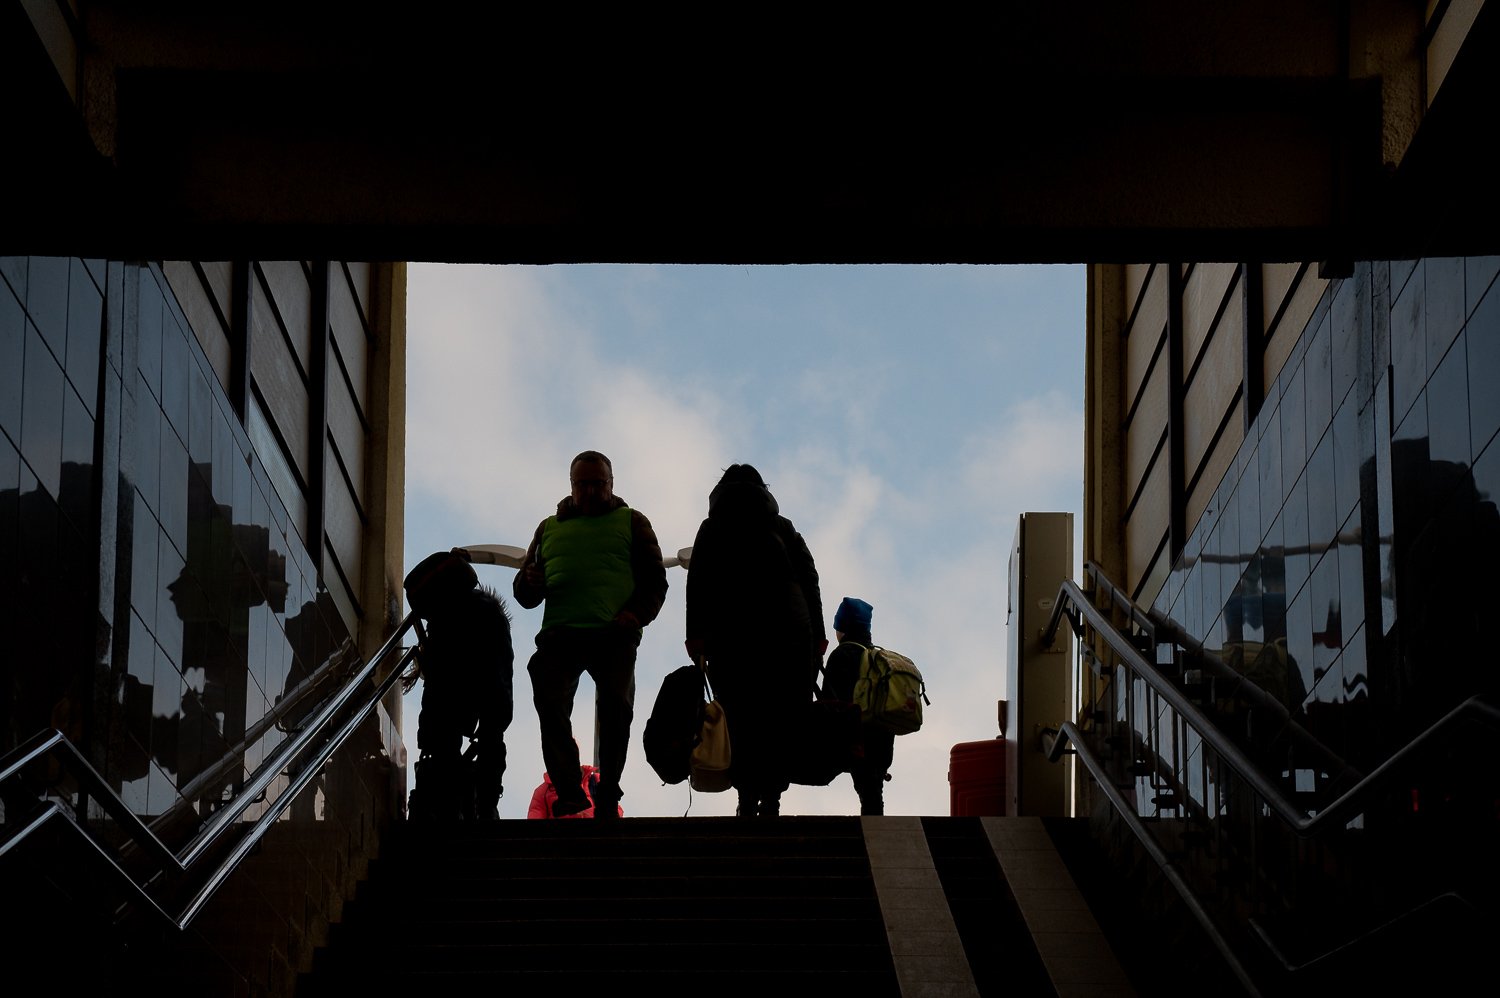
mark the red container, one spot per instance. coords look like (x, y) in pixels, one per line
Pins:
(976, 778)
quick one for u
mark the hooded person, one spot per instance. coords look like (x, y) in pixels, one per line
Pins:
(754, 612)
(465, 663)
(852, 629)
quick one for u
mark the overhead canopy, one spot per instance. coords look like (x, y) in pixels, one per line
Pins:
(1272, 129)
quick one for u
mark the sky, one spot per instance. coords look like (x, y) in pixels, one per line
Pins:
(903, 416)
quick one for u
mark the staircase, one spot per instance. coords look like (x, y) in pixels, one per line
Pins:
(726, 906)
(559, 906)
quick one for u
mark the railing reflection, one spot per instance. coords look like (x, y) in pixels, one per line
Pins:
(177, 883)
(1258, 823)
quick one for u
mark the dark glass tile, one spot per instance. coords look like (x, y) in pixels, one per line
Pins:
(1411, 491)
(145, 432)
(191, 733)
(1401, 271)
(1385, 511)
(1293, 430)
(1318, 380)
(1299, 637)
(13, 271)
(1448, 409)
(1328, 691)
(148, 332)
(1482, 340)
(1479, 274)
(169, 573)
(1445, 305)
(1252, 526)
(201, 418)
(1295, 535)
(255, 659)
(1322, 504)
(1168, 601)
(1327, 620)
(1409, 456)
(1233, 561)
(85, 319)
(42, 414)
(166, 706)
(1213, 636)
(10, 469)
(175, 368)
(1273, 585)
(142, 557)
(98, 270)
(140, 666)
(1356, 666)
(244, 493)
(1350, 332)
(173, 508)
(76, 482)
(1323, 714)
(134, 793)
(1271, 492)
(1192, 598)
(1486, 474)
(1408, 346)
(1292, 366)
(38, 540)
(278, 562)
(224, 455)
(12, 361)
(1346, 457)
(1247, 618)
(161, 790)
(47, 300)
(1213, 576)
(1375, 338)
(278, 659)
(1351, 575)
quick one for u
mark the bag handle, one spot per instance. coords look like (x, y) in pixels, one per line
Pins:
(708, 691)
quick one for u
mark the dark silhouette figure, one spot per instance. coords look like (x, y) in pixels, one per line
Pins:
(598, 565)
(755, 612)
(465, 664)
(851, 625)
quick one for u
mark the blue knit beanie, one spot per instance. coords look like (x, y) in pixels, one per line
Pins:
(853, 615)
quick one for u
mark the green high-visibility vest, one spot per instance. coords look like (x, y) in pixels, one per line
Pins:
(587, 561)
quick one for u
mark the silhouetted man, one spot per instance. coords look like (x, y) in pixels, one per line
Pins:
(598, 565)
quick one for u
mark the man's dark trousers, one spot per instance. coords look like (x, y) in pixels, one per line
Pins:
(607, 654)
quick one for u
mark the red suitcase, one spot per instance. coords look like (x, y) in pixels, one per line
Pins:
(976, 778)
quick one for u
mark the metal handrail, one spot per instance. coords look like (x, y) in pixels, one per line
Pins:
(1077, 607)
(1303, 825)
(1069, 734)
(57, 745)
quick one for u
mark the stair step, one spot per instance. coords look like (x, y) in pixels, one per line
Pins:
(564, 955)
(621, 908)
(680, 930)
(604, 886)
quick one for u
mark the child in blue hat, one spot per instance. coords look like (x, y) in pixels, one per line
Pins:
(851, 625)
